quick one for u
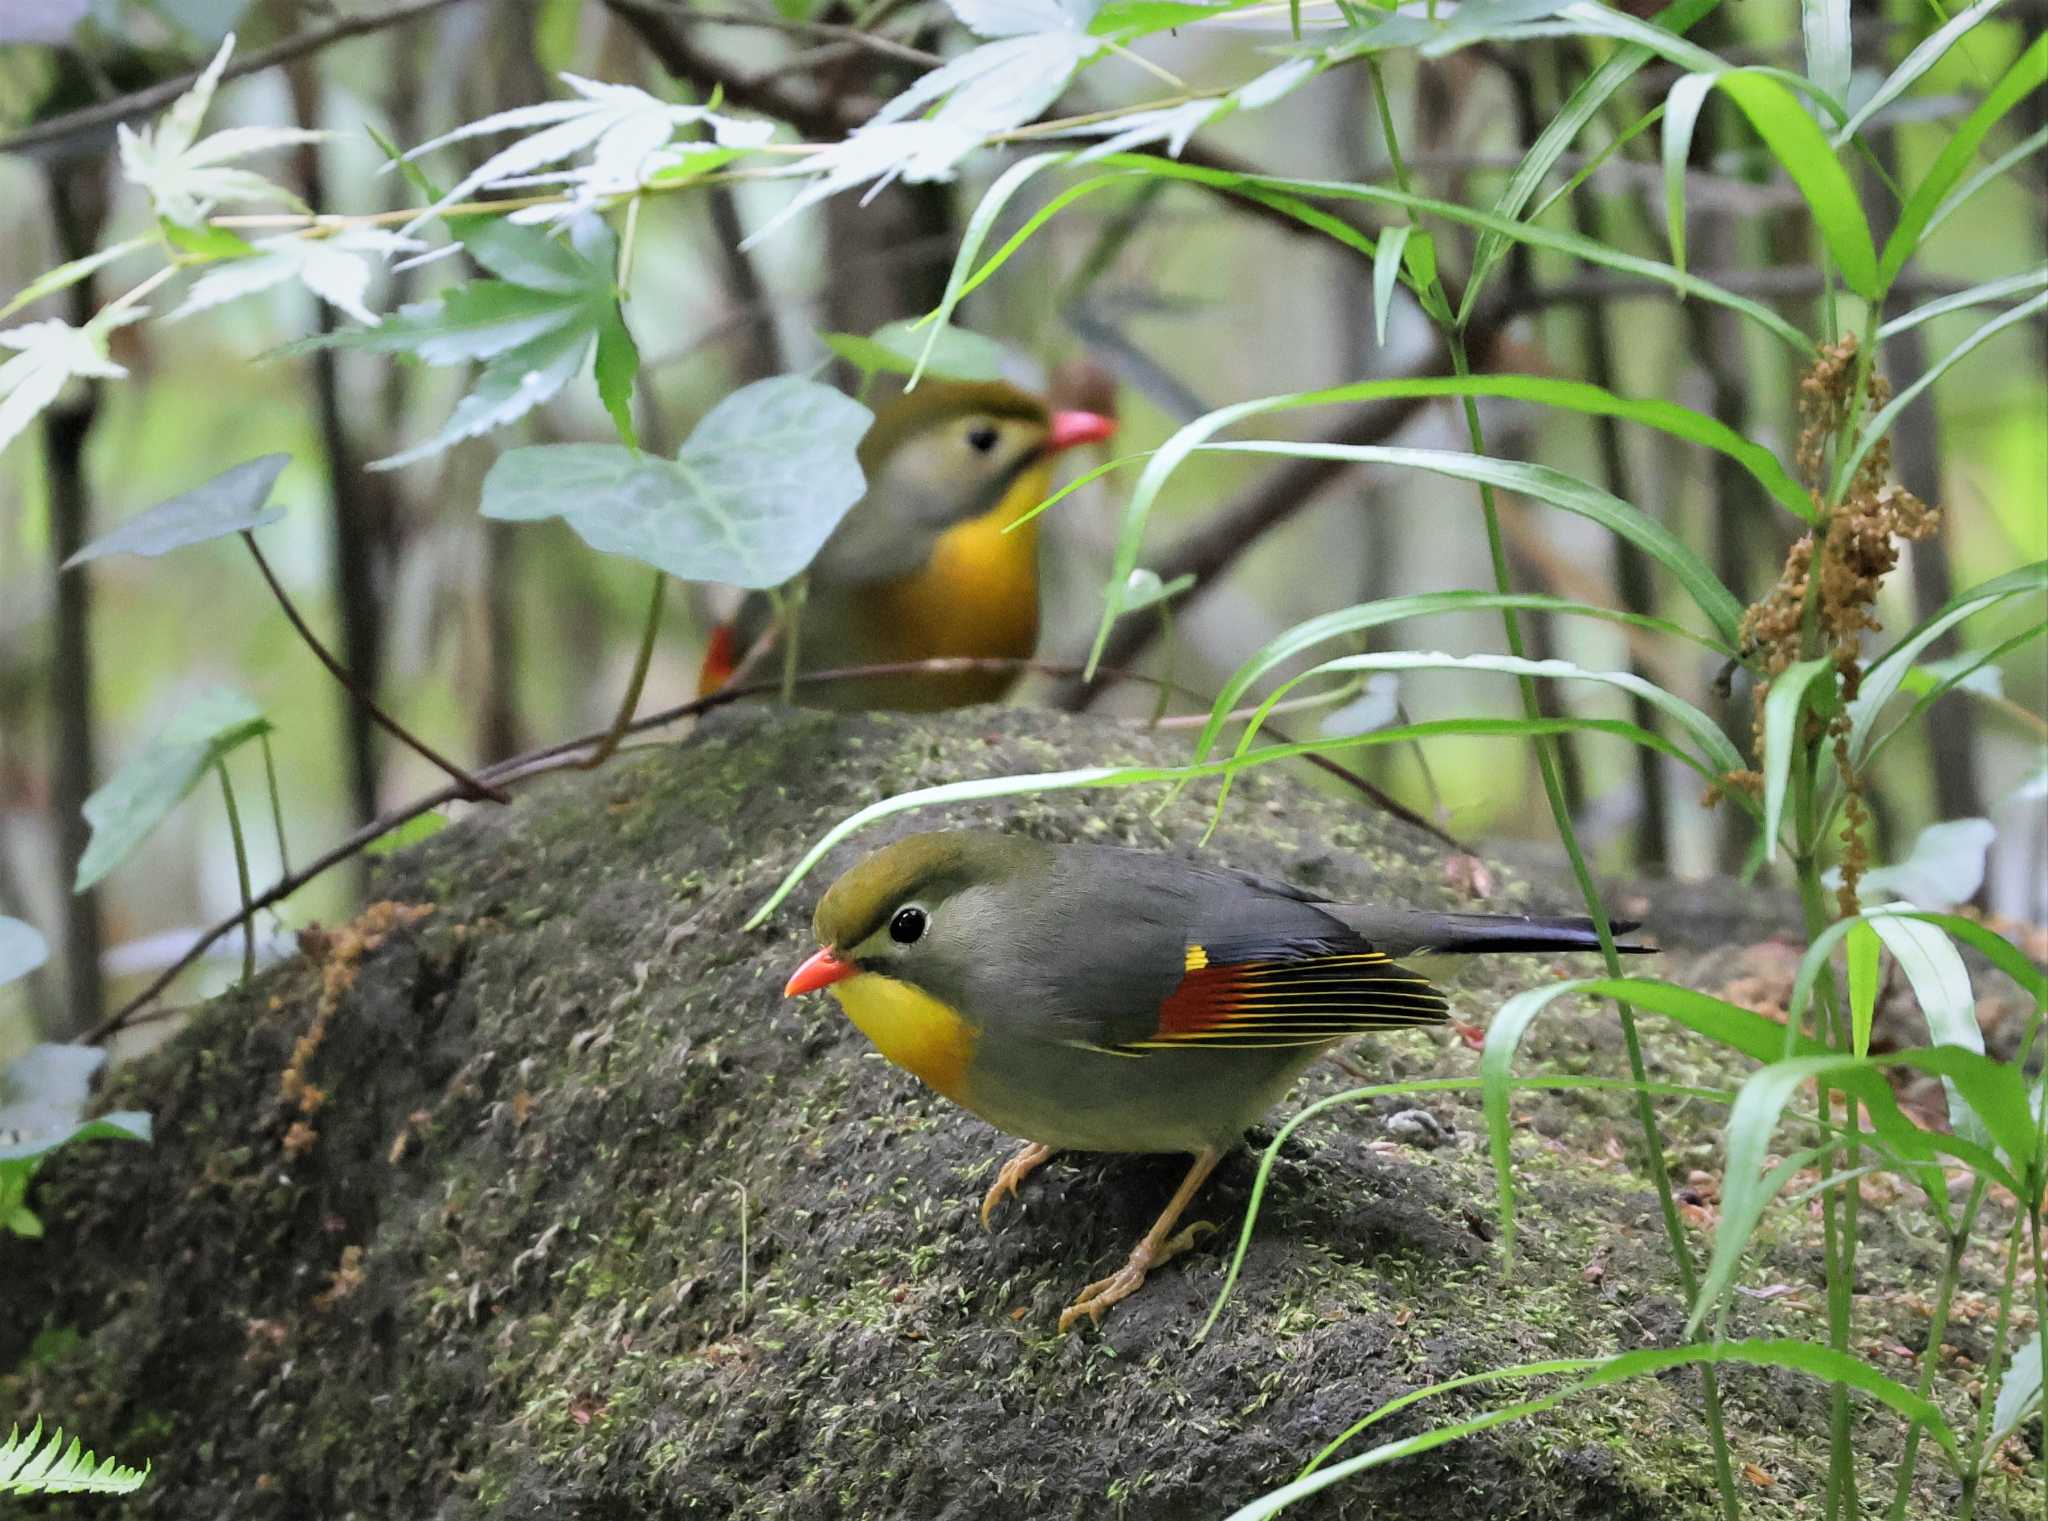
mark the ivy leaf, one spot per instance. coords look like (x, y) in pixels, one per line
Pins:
(43, 1094)
(21, 950)
(895, 347)
(757, 489)
(185, 177)
(336, 270)
(235, 501)
(51, 353)
(534, 330)
(126, 809)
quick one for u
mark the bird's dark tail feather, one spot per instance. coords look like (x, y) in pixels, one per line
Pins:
(1401, 932)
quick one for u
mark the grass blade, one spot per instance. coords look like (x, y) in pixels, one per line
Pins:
(2028, 72)
(1369, 615)
(1976, 295)
(1912, 66)
(1791, 690)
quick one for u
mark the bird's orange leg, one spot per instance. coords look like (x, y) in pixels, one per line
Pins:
(1020, 1166)
(1155, 1248)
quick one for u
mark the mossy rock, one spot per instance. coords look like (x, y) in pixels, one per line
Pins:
(536, 1199)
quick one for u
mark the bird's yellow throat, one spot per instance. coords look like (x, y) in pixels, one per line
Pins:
(913, 1029)
(977, 596)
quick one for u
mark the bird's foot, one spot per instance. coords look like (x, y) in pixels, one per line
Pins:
(1129, 1278)
(1014, 1171)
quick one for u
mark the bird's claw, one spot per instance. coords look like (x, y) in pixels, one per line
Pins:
(1129, 1278)
(1015, 1170)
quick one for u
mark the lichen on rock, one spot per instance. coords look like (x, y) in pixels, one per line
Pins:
(591, 1222)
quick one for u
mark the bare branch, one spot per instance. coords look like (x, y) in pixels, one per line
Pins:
(872, 42)
(142, 102)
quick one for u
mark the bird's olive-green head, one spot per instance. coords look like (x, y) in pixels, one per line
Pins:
(937, 456)
(927, 906)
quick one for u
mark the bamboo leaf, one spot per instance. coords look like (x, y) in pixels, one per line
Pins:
(1911, 67)
(1819, 1362)
(1386, 270)
(1304, 636)
(1561, 132)
(1882, 680)
(982, 788)
(1544, 485)
(1681, 115)
(1976, 295)
(1590, 250)
(1863, 949)
(1547, 485)
(1792, 690)
(1880, 425)
(1824, 26)
(2028, 72)
(1798, 143)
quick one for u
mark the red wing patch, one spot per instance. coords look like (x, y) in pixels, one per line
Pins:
(721, 659)
(1305, 1001)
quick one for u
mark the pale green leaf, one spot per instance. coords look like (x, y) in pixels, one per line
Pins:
(21, 950)
(2019, 1395)
(43, 1097)
(511, 386)
(67, 275)
(1824, 26)
(897, 348)
(1347, 621)
(1544, 485)
(757, 489)
(124, 811)
(235, 501)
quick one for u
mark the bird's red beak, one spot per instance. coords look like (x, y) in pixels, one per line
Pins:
(821, 971)
(1071, 428)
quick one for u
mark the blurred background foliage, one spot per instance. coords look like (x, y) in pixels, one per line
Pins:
(489, 638)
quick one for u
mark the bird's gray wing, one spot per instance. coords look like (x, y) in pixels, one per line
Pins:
(1137, 952)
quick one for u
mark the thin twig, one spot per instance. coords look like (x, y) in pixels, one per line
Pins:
(141, 102)
(564, 753)
(227, 797)
(872, 42)
(642, 658)
(471, 786)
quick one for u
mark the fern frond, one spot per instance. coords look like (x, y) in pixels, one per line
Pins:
(58, 1470)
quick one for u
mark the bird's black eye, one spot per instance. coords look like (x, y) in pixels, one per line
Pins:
(982, 438)
(907, 928)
